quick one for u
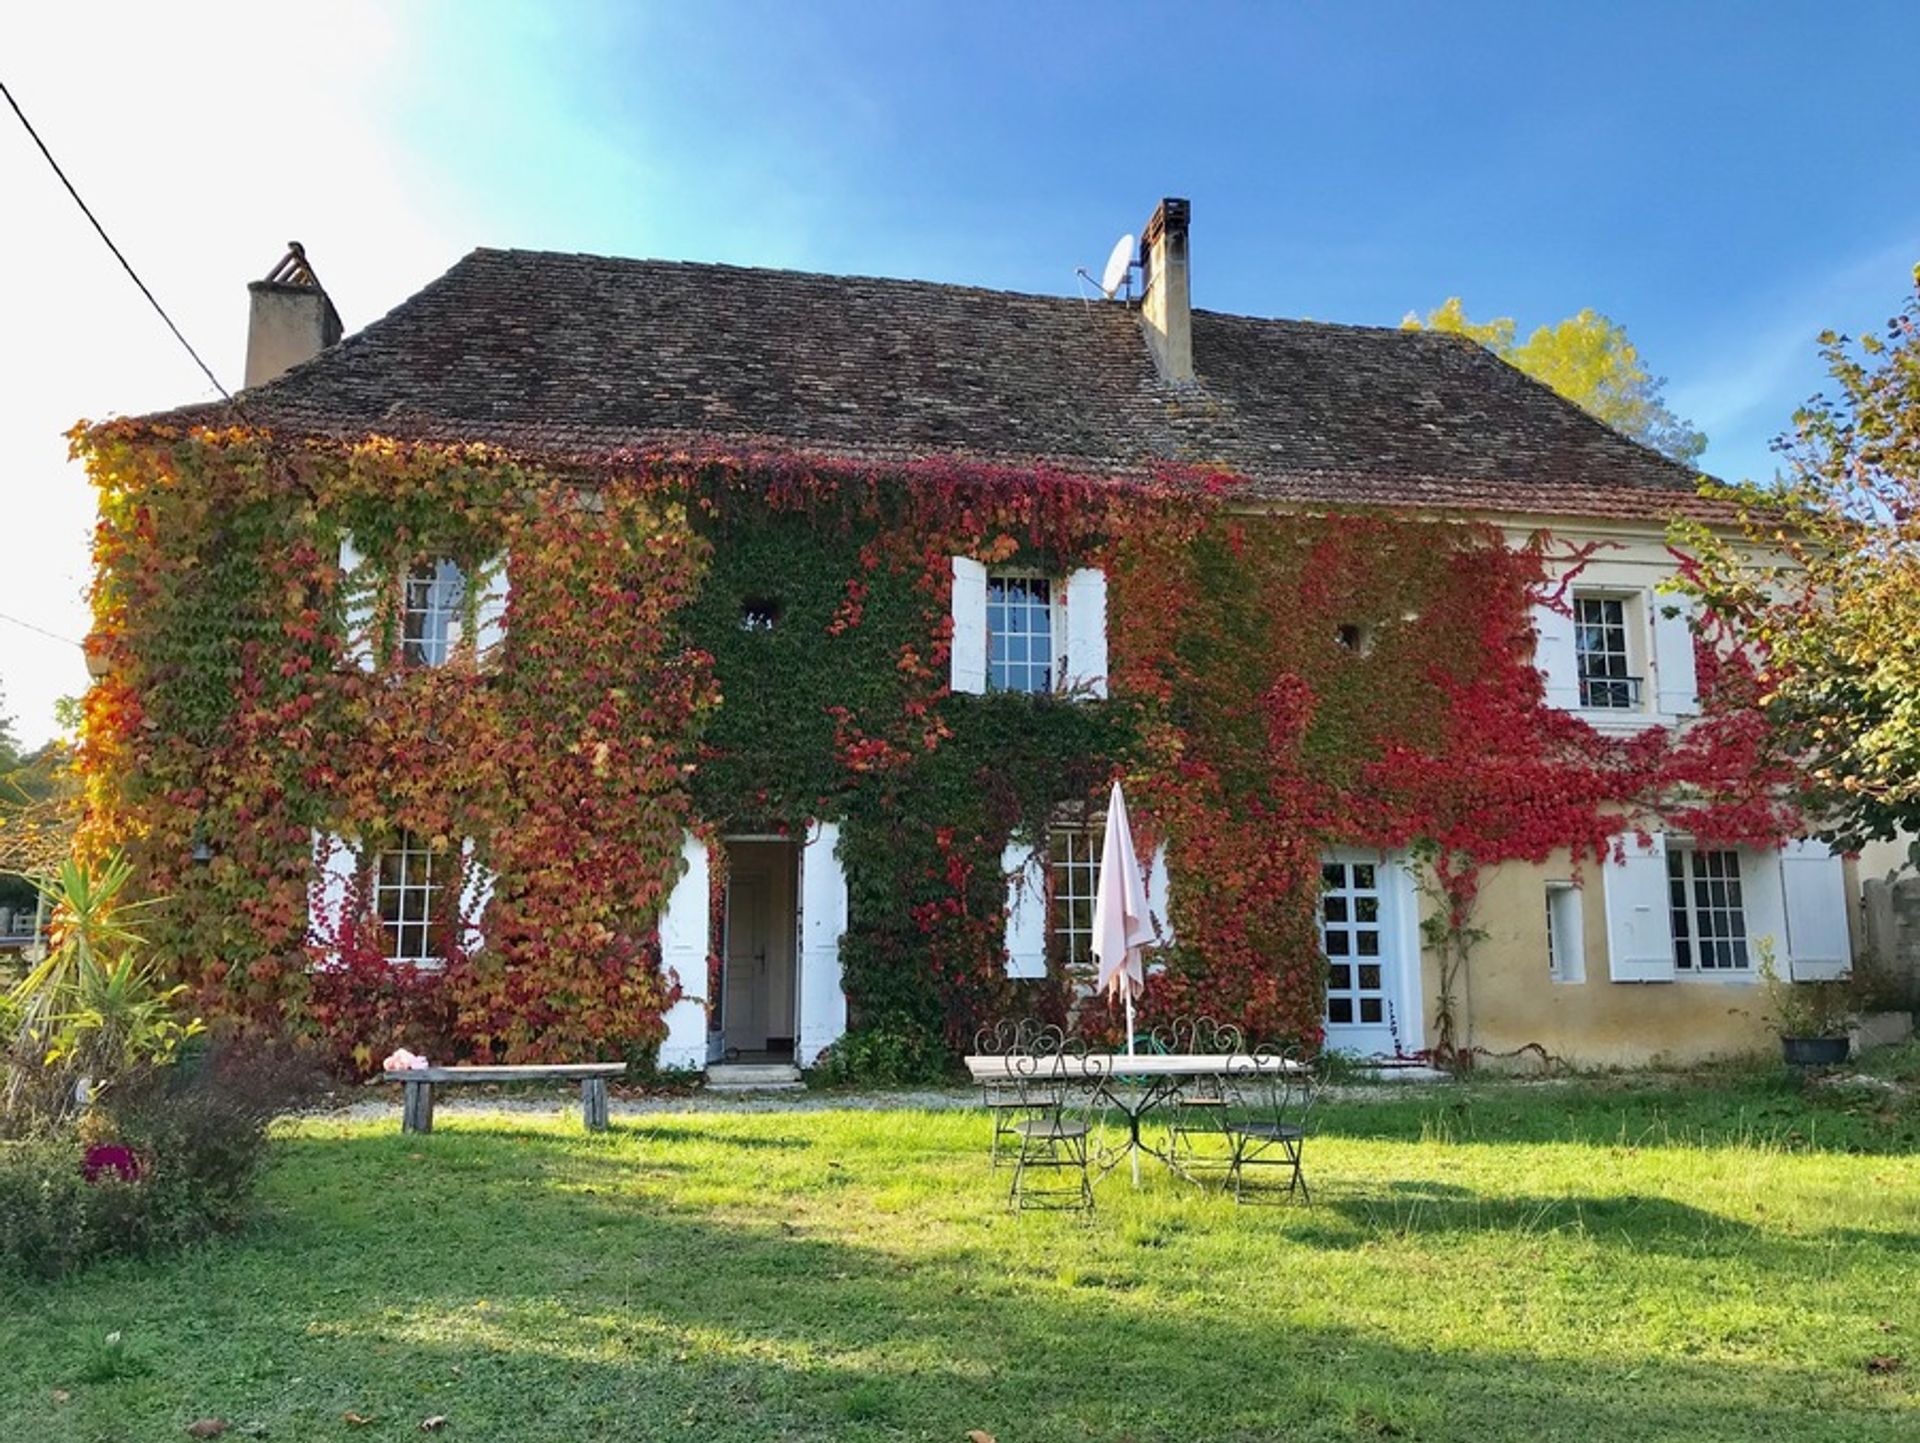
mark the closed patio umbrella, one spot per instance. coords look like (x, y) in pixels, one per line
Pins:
(1121, 925)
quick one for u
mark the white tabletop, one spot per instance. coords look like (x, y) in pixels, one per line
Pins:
(1145, 1064)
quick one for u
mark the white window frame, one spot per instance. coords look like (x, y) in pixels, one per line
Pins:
(408, 847)
(433, 592)
(1399, 919)
(1731, 908)
(1073, 878)
(1055, 612)
(1566, 932)
(1632, 655)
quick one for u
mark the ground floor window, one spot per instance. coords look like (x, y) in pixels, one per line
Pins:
(1350, 935)
(1708, 910)
(1566, 944)
(409, 885)
(1075, 876)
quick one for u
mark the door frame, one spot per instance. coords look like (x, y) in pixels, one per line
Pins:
(1399, 948)
(717, 1034)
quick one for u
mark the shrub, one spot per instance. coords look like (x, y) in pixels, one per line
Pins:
(195, 1134)
(94, 1007)
(886, 1055)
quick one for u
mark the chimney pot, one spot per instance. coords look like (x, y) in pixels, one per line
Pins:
(1166, 302)
(290, 318)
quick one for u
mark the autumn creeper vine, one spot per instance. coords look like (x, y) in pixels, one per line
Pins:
(628, 704)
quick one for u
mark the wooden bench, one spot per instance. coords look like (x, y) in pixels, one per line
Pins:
(419, 1082)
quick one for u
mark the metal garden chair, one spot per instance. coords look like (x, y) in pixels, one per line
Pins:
(1267, 1118)
(1199, 1109)
(1051, 1167)
(1006, 1102)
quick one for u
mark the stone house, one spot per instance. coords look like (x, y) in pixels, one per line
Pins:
(568, 360)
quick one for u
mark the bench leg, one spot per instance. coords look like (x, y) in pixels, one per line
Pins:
(593, 1103)
(417, 1112)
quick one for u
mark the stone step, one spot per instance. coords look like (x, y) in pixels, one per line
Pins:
(753, 1077)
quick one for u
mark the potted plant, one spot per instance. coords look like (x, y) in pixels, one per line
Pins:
(1811, 1017)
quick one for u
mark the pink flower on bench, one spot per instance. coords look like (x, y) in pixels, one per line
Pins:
(404, 1061)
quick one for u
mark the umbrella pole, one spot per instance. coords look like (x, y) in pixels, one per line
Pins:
(1135, 1149)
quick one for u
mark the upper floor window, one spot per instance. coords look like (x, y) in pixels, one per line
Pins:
(1606, 653)
(1022, 640)
(434, 604)
(1024, 632)
(1707, 908)
(409, 885)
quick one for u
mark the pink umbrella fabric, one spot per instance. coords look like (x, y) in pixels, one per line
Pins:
(1121, 924)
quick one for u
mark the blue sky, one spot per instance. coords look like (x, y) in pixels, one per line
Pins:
(1723, 179)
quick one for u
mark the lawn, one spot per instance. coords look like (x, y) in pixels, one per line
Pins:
(1692, 1259)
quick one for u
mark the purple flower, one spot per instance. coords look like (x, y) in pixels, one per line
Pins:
(109, 1159)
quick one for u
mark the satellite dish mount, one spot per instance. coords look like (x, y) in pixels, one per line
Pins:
(1119, 271)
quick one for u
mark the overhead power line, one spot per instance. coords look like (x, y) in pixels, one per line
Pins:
(124, 263)
(42, 630)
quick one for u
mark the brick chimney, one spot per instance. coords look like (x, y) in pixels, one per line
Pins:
(289, 320)
(1166, 303)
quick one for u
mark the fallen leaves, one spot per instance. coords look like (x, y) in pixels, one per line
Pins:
(1881, 1364)
(206, 1427)
(357, 1420)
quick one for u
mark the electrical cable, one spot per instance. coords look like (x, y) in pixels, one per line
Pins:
(102, 230)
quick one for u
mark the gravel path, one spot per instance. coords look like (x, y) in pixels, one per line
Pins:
(378, 1105)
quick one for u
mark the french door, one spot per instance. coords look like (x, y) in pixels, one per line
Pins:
(1366, 935)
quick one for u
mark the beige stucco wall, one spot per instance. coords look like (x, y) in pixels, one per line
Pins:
(1510, 1000)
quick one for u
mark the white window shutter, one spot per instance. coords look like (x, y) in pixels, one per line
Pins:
(1814, 881)
(1025, 869)
(1678, 689)
(1087, 631)
(1639, 925)
(359, 591)
(969, 653)
(490, 608)
(1159, 895)
(823, 921)
(476, 891)
(335, 870)
(1555, 658)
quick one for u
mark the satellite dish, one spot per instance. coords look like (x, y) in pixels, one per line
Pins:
(1118, 264)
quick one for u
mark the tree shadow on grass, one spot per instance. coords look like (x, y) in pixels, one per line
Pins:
(569, 1296)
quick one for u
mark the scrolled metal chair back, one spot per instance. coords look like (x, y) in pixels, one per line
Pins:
(1283, 1084)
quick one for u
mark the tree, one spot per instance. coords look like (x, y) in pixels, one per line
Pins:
(1589, 360)
(1823, 585)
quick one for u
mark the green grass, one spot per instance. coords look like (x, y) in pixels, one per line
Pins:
(1602, 1260)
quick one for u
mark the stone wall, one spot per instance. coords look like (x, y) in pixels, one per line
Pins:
(1890, 918)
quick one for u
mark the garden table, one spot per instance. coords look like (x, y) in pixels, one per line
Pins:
(1134, 1083)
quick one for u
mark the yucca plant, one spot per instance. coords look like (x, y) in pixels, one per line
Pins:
(93, 1007)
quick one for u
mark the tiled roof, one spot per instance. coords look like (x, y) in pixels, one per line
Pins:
(571, 357)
